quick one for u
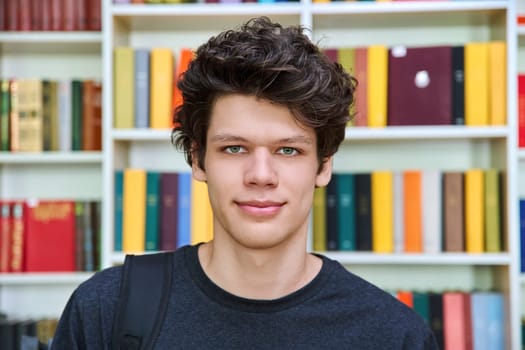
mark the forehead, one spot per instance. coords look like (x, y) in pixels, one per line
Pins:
(249, 116)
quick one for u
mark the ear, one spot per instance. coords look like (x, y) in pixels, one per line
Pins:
(323, 177)
(197, 172)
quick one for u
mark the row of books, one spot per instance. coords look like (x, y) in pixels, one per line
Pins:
(412, 211)
(158, 210)
(49, 235)
(50, 15)
(145, 92)
(25, 334)
(521, 110)
(427, 85)
(461, 320)
(49, 115)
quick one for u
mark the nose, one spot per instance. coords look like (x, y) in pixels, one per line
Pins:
(261, 169)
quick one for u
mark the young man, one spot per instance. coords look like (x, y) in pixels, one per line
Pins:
(264, 112)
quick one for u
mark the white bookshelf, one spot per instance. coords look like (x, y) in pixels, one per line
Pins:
(332, 25)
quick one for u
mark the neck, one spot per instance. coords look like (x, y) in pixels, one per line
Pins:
(258, 273)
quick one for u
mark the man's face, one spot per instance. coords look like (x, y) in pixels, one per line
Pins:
(261, 170)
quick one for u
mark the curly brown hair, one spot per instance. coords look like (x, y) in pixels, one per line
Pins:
(275, 63)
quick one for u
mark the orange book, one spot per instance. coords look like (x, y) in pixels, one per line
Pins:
(474, 211)
(377, 85)
(134, 211)
(161, 88)
(497, 82)
(382, 212)
(406, 297)
(412, 211)
(476, 84)
(185, 57)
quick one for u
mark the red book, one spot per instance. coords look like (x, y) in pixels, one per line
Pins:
(56, 14)
(457, 324)
(419, 85)
(49, 236)
(521, 110)
(16, 263)
(69, 15)
(45, 15)
(5, 235)
(24, 14)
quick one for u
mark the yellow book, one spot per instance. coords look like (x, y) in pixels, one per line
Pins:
(476, 84)
(30, 116)
(161, 88)
(377, 85)
(201, 213)
(123, 88)
(134, 211)
(498, 83)
(492, 211)
(319, 219)
(474, 211)
(382, 212)
(346, 57)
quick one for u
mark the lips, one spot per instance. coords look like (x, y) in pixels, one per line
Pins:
(260, 208)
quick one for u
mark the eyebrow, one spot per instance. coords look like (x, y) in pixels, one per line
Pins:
(296, 139)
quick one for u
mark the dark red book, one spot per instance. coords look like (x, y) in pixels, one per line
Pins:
(94, 15)
(3, 14)
(168, 210)
(49, 236)
(419, 85)
(36, 14)
(11, 15)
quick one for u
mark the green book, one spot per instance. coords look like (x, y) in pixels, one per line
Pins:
(492, 211)
(346, 211)
(4, 115)
(76, 113)
(152, 211)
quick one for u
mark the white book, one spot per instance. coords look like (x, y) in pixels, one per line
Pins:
(64, 115)
(431, 210)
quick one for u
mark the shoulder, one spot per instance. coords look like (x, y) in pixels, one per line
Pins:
(102, 287)
(378, 308)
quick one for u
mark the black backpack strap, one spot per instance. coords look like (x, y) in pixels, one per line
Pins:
(144, 294)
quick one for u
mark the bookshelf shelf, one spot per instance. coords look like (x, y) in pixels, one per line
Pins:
(425, 132)
(50, 37)
(364, 258)
(141, 134)
(199, 9)
(14, 279)
(51, 157)
(423, 7)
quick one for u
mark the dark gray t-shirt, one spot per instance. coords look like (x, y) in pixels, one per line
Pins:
(336, 310)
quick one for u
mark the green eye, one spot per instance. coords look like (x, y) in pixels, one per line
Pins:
(233, 149)
(288, 151)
